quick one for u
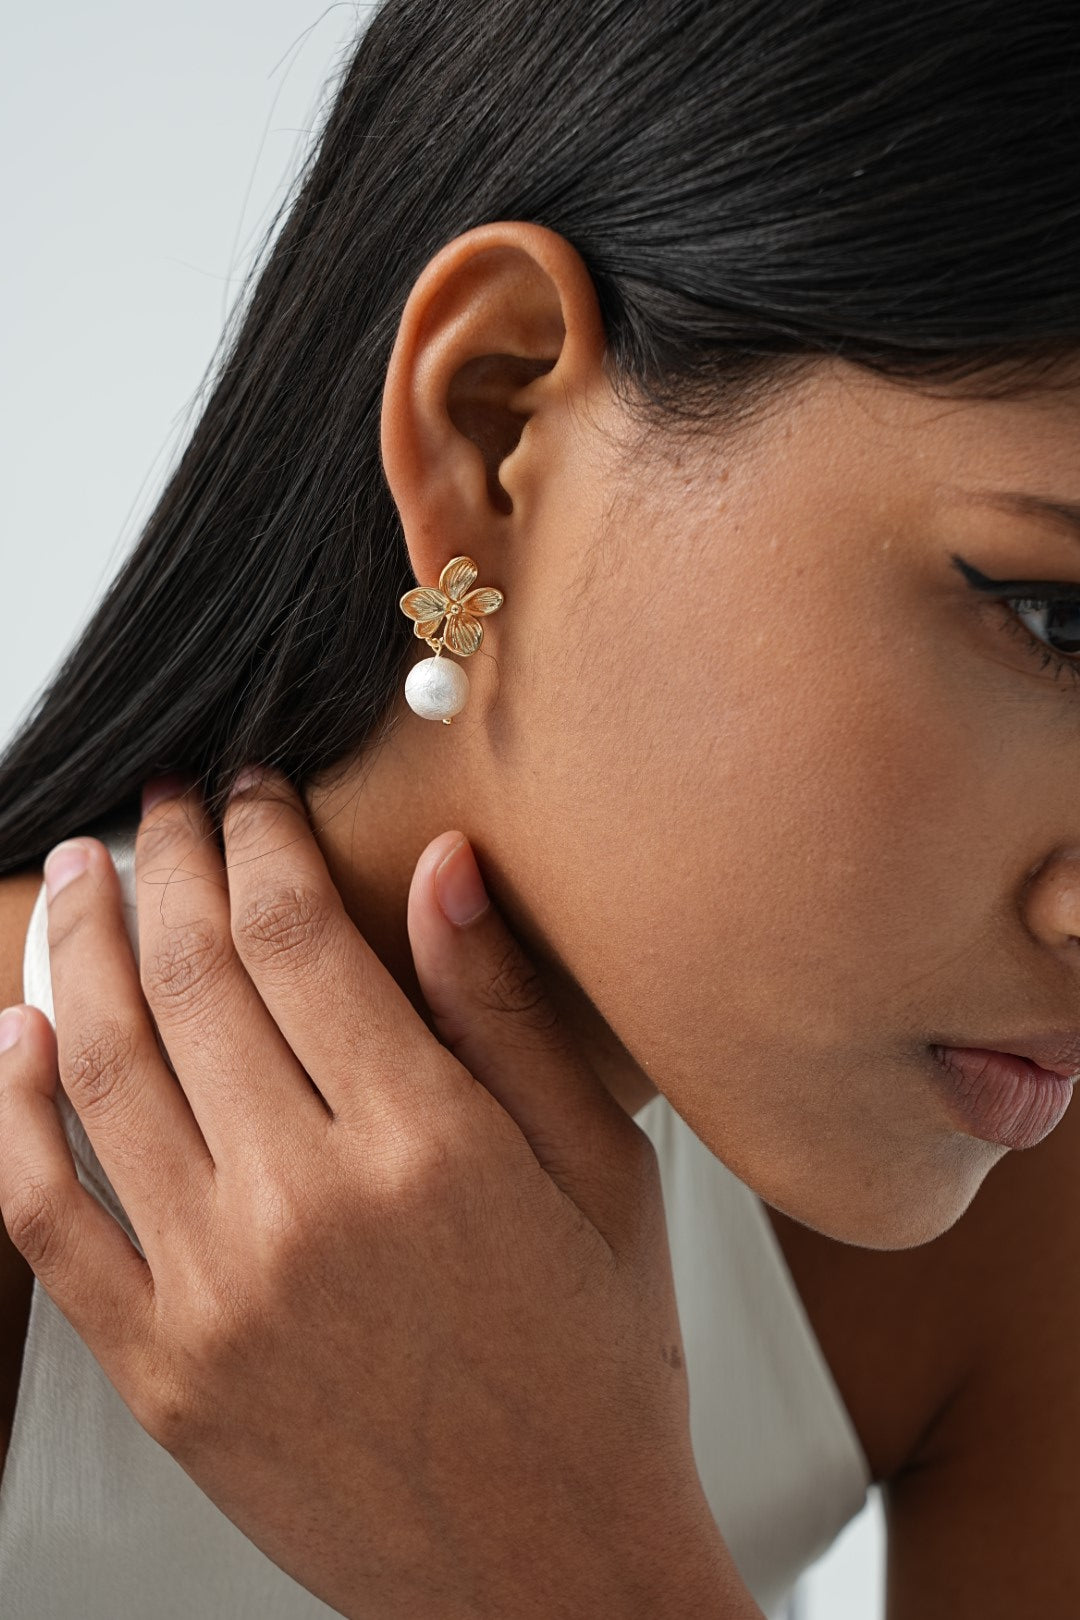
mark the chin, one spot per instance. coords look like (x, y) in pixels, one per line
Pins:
(892, 1205)
(895, 1187)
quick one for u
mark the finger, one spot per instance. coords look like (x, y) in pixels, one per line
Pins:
(350, 1024)
(132, 1109)
(490, 1008)
(79, 1254)
(242, 1081)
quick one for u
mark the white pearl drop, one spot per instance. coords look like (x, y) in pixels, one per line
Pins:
(436, 688)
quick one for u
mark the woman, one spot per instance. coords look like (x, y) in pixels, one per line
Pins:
(735, 346)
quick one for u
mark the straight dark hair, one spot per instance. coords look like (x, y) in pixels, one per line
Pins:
(751, 183)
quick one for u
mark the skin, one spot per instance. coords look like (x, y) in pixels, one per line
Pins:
(923, 770)
(772, 795)
(424, 1272)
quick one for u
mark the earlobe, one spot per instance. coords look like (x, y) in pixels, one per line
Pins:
(503, 323)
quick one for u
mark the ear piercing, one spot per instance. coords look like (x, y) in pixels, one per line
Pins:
(435, 688)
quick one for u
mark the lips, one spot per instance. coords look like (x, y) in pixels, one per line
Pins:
(1057, 1051)
(1002, 1097)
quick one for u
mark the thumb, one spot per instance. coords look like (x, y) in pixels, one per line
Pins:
(491, 1010)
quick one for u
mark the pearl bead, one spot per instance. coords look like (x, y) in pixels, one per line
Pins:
(436, 688)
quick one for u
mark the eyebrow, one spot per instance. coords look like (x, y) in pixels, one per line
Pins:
(1065, 513)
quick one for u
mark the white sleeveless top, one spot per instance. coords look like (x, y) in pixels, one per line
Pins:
(98, 1522)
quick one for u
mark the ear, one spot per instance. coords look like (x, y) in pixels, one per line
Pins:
(501, 331)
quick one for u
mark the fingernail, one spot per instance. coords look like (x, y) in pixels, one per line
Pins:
(62, 864)
(11, 1024)
(248, 778)
(459, 887)
(163, 787)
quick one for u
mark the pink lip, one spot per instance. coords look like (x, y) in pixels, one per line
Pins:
(1002, 1098)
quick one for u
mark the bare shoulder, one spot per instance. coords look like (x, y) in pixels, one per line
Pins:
(17, 896)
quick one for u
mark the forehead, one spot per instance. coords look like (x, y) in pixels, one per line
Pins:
(839, 448)
(841, 421)
(845, 462)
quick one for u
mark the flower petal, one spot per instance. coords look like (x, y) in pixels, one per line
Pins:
(485, 600)
(427, 627)
(457, 576)
(424, 602)
(463, 634)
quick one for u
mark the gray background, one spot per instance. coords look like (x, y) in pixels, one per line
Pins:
(147, 148)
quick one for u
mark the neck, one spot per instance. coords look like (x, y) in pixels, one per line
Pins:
(372, 820)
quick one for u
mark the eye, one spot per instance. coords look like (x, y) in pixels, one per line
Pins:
(1057, 617)
(1038, 612)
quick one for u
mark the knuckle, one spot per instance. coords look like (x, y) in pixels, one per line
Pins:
(196, 1351)
(416, 1168)
(283, 1219)
(38, 1223)
(96, 1065)
(168, 1411)
(219, 1329)
(183, 967)
(516, 990)
(281, 925)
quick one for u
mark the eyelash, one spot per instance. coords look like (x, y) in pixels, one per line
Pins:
(1053, 591)
(1062, 662)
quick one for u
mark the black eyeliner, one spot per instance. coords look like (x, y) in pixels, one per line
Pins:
(1043, 590)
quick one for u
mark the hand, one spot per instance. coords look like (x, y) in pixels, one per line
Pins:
(404, 1305)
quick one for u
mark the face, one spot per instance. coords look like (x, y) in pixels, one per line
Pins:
(757, 770)
(805, 803)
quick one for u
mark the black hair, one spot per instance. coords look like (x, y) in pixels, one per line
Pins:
(751, 184)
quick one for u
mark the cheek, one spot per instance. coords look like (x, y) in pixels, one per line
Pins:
(766, 854)
(739, 828)
(755, 852)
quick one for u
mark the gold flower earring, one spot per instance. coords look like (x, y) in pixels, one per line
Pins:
(435, 688)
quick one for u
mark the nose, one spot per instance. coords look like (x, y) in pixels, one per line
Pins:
(1051, 901)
